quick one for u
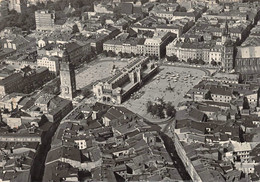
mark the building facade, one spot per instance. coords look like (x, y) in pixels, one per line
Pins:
(124, 83)
(67, 77)
(52, 63)
(45, 20)
(227, 50)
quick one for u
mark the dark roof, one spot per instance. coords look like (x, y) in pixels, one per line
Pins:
(63, 152)
(16, 77)
(58, 171)
(126, 8)
(221, 90)
(56, 104)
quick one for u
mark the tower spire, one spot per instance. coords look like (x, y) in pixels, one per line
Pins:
(225, 30)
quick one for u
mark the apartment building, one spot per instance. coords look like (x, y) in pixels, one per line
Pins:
(45, 20)
(52, 63)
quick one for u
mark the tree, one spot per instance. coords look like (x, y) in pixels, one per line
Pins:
(200, 61)
(86, 92)
(245, 103)
(117, 12)
(189, 60)
(182, 9)
(170, 109)
(213, 63)
(77, 3)
(111, 53)
(172, 58)
(105, 53)
(103, 20)
(154, 109)
(160, 112)
(149, 106)
(75, 29)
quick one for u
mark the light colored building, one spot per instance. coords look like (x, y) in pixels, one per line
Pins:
(157, 44)
(14, 122)
(220, 94)
(81, 143)
(14, 137)
(223, 78)
(164, 14)
(45, 20)
(52, 63)
(231, 1)
(215, 54)
(149, 46)
(15, 43)
(103, 8)
(192, 16)
(190, 50)
(124, 83)
(170, 28)
(17, 5)
(38, 1)
(241, 150)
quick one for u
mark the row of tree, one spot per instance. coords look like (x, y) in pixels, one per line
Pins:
(172, 58)
(214, 63)
(126, 55)
(161, 109)
(196, 61)
(25, 20)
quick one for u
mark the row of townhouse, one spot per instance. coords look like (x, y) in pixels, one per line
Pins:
(149, 46)
(196, 50)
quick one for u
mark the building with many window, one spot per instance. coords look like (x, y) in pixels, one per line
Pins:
(52, 63)
(45, 20)
(118, 88)
(157, 44)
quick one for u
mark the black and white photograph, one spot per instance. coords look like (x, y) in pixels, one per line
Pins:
(129, 90)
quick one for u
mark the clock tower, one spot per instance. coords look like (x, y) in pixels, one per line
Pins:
(67, 77)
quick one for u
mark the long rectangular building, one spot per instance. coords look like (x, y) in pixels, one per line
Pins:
(150, 46)
(119, 87)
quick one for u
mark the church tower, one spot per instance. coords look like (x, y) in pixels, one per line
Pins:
(225, 34)
(227, 50)
(67, 77)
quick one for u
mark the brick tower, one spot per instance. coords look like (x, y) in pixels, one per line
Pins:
(67, 78)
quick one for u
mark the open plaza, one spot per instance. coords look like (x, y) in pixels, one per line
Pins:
(171, 84)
